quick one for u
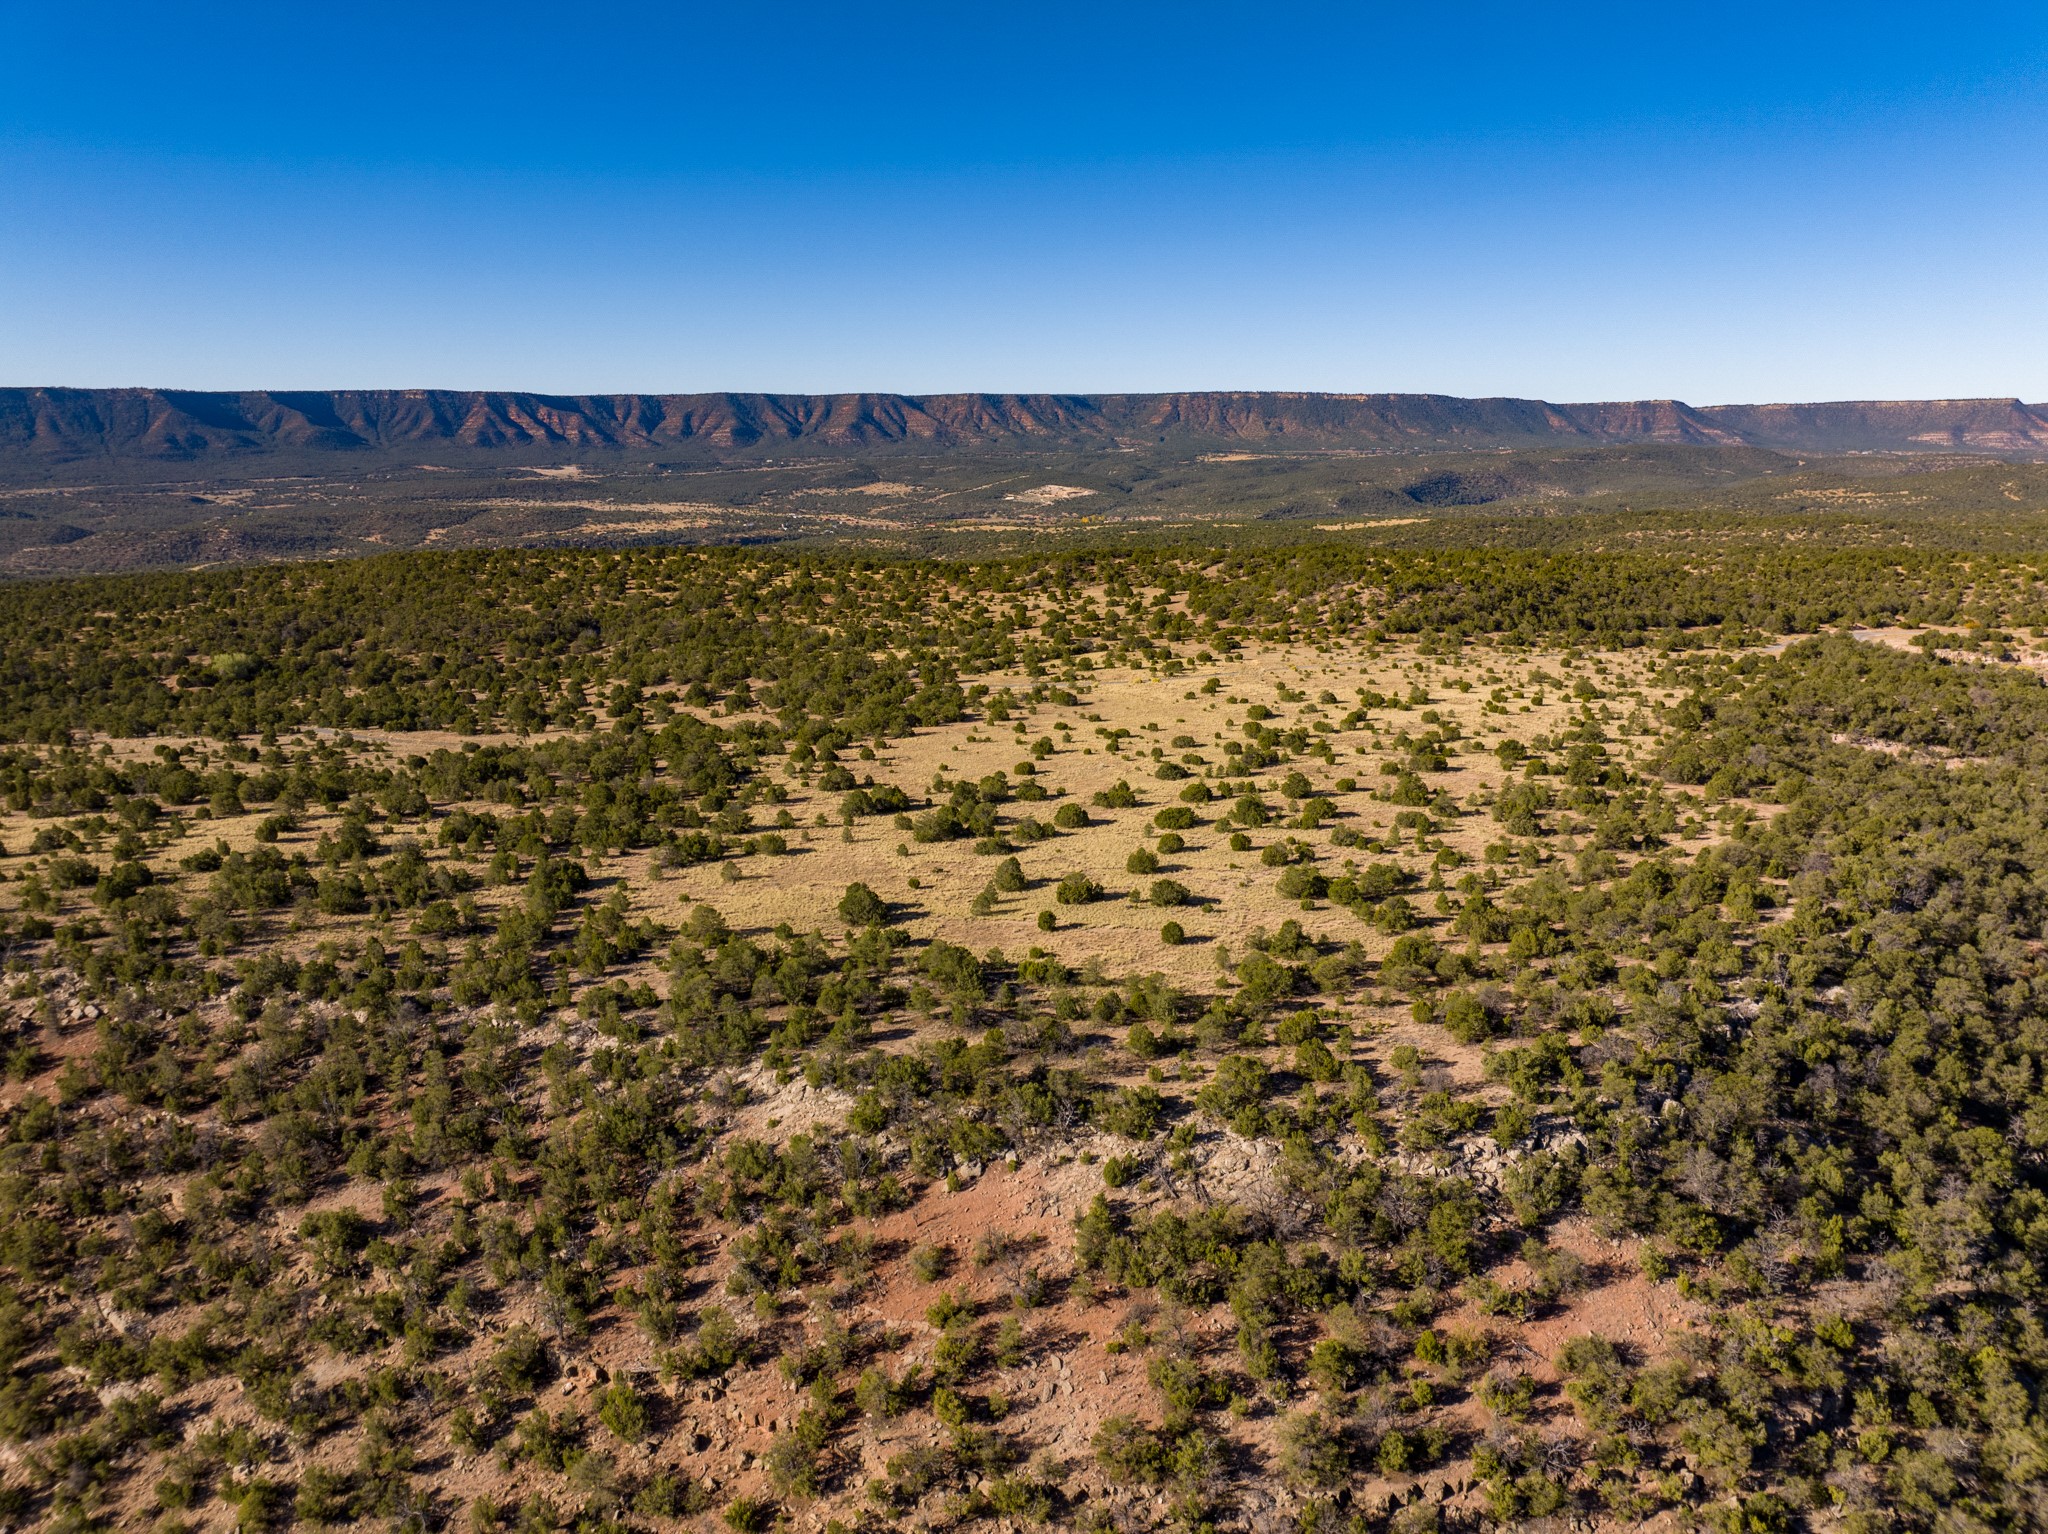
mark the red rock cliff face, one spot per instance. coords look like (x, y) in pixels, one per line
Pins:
(163, 425)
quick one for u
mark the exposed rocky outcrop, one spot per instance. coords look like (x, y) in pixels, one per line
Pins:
(144, 426)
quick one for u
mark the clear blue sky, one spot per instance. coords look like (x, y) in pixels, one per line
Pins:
(1714, 202)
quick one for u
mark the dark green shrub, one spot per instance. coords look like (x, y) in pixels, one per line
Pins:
(1077, 889)
(861, 906)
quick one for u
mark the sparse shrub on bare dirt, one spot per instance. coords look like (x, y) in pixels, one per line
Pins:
(392, 1124)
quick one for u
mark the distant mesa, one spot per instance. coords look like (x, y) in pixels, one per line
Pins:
(55, 426)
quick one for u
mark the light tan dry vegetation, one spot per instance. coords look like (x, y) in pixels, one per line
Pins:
(1065, 1383)
(1237, 892)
